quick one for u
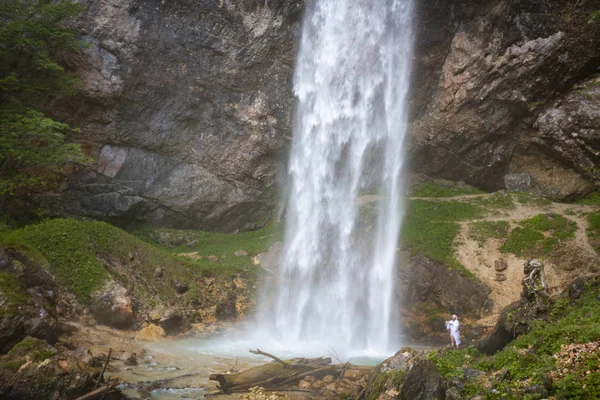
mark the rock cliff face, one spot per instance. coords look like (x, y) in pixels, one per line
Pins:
(188, 105)
(186, 109)
(502, 87)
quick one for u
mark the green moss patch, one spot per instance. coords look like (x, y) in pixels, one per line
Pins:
(81, 253)
(593, 230)
(430, 228)
(484, 230)
(496, 201)
(449, 189)
(539, 235)
(542, 357)
(526, 198)
(591, 199)
(12, 295)
(199, 248)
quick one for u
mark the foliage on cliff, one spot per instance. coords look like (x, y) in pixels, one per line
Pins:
(559, 357)
(33, 41)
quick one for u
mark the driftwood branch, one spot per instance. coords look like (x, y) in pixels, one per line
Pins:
(100, 377)
(279, 360)
(96, 393)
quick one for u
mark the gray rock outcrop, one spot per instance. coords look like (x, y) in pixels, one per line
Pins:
(494, 93)
(186, 110)
(188, 106)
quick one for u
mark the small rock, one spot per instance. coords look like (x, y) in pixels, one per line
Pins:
(471, 373)
(239, 283)
(303, 384)
(240, 253)
(310, 379)
(500, 277)
(328, 379)
(576, 289)
(129, 358)
(151, 333)
(500, 265)
(193, 242)
(131, 256)
(213, 258)
(453, 394)
(180, 287)
(158, 272)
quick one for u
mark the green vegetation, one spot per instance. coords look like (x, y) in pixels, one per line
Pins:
(594, 230)
(395, 378)
(431, 189)
(31, 349)
(430, 229)
(484, 230)
(591, 199)
(526, 198)
(33, 148)
(79, 252)
(12, 295)
(498, 200)
(539, 357)
(529, 239)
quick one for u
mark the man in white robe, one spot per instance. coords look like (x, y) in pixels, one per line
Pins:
(453, 326)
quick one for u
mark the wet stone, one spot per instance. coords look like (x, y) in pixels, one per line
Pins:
(500, 265)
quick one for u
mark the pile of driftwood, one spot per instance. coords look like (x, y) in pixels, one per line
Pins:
(279, 375)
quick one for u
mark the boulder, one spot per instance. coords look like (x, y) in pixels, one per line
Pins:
(150, 333)
(520, 183)
(423, 382)
(112, 306)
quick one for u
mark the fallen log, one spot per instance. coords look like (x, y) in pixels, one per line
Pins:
(275, 374)
(99, 392)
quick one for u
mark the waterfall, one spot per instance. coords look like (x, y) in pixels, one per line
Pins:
(337, 271)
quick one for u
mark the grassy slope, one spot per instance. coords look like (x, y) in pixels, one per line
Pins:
(534, 359)
(77, 251)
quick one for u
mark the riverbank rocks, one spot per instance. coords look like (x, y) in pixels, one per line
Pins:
(407, 375)
(28, 301)
(32, 370)
(516, 318)
(112, 306)
(150, 333)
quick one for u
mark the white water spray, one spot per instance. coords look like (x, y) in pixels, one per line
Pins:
(337, 273)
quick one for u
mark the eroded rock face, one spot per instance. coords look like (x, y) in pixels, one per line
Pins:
(188, 104)
(186, 110)
(27, 301)
(497, 70)
(112, 306)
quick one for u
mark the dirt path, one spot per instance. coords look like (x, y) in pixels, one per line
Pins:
(578, 255)
(481, 259)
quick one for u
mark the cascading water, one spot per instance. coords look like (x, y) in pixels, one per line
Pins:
(336, 276)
